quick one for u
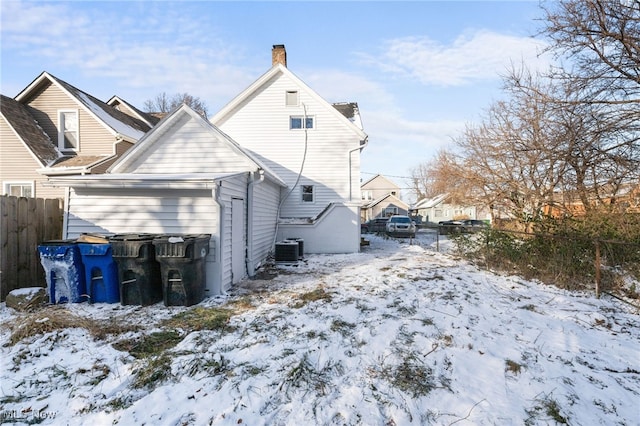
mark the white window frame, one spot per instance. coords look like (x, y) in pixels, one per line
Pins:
(303, 122)
(61, 131)
(6, 188)
(367, 195)
(288, 98)
(303, 193)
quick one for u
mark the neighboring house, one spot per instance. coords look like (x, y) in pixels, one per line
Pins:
(381, 197)
(627, 200)
(124, 106)
(52, 128)
(184, 177)
(313, 146)
(437, 209)
(385, 206)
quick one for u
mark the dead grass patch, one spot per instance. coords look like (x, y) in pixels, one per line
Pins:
(151, 345)
(55, 318)
(201, 318)
(312, 296)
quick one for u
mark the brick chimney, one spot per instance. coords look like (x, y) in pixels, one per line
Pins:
(278, 55)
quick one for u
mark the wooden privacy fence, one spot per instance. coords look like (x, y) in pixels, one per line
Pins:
(25, 223)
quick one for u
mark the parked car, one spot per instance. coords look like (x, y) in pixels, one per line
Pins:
(401, 226)
(473, 225)
(374, 225)
(447, 227)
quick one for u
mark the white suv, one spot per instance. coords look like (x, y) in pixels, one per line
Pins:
(401, 226)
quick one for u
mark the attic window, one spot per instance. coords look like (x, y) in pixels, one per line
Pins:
(301, 122)
(68, 130)
(292, 98)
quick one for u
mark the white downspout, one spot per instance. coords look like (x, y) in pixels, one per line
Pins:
(351, 151)
(251, 270)
(217, 197)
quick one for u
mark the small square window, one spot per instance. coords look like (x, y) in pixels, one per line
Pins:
(307, 193)
(292, 98)
(295, 123)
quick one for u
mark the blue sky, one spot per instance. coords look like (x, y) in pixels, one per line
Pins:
(419, 70)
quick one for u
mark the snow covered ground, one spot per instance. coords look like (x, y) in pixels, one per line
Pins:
(397, 334)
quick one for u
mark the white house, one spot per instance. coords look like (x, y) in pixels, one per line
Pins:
(279, 162)
(313, 146)
(437, 209)
(184, 177)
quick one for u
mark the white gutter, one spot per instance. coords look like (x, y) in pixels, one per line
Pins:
(360, 148)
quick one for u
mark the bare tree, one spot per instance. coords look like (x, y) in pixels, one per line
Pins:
(601, 38)
(162, 103)
(513, 160)
(438, 176)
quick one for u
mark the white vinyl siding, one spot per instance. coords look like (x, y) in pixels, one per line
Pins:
(116, 211)
(110, 211)
(265, 215)
(231, 188)
(187, 147)
(262, 125)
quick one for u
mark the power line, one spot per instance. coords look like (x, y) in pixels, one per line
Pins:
(382, 174)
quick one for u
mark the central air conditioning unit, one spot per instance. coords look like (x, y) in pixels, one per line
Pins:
(287, 251)
(300, 242)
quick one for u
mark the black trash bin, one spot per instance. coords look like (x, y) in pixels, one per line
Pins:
(182, 267)
(138, 270)
(64, 271)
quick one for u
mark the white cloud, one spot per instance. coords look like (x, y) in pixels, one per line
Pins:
(473, 56)
(157, 53)
(340, 86)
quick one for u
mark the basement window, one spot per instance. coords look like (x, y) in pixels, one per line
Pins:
(307, 193)
(300, 122)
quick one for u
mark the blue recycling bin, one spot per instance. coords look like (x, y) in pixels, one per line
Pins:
(101, 273)
(64, 271)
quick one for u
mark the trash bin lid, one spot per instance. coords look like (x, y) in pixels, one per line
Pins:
(87, 249)
(132, 237)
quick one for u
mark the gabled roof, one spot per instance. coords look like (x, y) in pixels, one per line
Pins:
(428, 203)
(147, 141)
(116, 122)
(392, 199)
(28, 131)
(265, 80)
(379, 176)
(149, 119)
